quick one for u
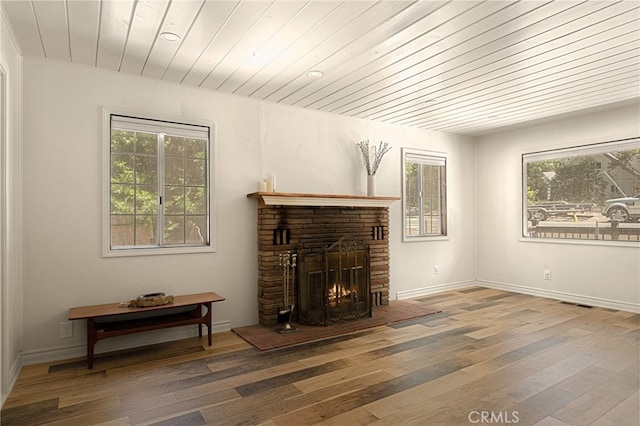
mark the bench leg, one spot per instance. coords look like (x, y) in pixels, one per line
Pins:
(91, 341)
(208, 319)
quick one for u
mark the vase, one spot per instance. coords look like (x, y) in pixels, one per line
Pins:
(371, 185)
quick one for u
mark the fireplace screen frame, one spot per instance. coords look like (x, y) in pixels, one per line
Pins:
(334, 286)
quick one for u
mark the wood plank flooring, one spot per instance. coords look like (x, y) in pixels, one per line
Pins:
(490, 357)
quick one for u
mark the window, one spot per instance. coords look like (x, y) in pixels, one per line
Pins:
(589, 192)
(424, 194)
(158, 186)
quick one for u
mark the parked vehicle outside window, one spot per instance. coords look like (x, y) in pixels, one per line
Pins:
(626, 209)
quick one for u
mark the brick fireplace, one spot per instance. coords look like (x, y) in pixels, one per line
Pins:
(306, 224)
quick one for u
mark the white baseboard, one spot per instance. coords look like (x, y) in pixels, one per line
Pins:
(39, 356)
(13, 373)
(550, 294)
(423, 291)
(565, 297)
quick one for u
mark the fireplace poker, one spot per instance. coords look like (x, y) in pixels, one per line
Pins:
(288, 263)
(294, 258)
(284, 263)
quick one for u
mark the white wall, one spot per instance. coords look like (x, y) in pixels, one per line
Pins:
(597, 274)
(10, 211)
(309, 151)
(413, 262)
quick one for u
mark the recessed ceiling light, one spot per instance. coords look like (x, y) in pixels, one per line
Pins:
(315, 74)
(170, 36)
(430, 102)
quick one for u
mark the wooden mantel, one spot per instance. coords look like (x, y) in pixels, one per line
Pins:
(320, 200)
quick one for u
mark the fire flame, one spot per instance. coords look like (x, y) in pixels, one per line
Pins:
(339, 292)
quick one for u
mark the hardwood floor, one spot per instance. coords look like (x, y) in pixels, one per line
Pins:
(490, 357)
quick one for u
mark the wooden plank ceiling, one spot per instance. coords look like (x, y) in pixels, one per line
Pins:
(466, 67)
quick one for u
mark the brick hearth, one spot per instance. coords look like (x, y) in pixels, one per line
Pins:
(307, 229)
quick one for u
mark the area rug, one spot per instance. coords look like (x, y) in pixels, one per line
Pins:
(266, 338)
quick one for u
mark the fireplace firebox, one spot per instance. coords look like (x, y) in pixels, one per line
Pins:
(334, 285)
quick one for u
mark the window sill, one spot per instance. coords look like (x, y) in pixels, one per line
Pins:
(576, 242)
(406, 239)
(131, 252)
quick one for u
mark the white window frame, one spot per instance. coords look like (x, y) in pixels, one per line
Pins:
(107, 250)
(432, 158)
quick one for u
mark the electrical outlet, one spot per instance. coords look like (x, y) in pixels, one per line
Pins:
(547, 274)
(66, 330)
(436, 269)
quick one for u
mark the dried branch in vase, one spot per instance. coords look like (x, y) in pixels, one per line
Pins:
(372, 167)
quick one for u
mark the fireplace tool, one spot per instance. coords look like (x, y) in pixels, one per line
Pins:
(287, 263)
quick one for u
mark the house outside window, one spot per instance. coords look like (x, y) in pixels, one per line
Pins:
(159, 192)
(424, 195)
(589, 192)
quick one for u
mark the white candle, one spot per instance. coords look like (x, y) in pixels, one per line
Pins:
(269, 185)
(273, 182)
(263, 186)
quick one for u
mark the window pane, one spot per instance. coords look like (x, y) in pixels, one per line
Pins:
(146, 226)
(174, 230)
(434, 180)
(195, 172)
(173, 146)
(146, 143)
(431, 199)
(146, 169)
(584, 193)
(196, 230)
(174, 171)
(122, 168)
(146, 199)
(122, 231)
(412, 199)
(122, 199)
(174, 200)
(185, 191)
(196, 148)
(123, 141)
(195, 201)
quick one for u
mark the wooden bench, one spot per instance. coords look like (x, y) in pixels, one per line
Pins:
(112, 319)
